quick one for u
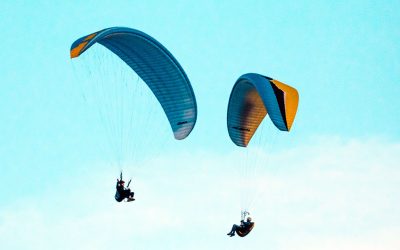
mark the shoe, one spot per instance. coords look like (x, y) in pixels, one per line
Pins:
(231, 235)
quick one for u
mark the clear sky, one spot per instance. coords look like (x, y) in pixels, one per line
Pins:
(335, 190)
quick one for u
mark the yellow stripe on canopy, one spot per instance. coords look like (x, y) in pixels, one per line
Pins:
(291, 101)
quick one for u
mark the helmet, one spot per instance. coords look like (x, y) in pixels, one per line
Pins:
(248, 219)
(121, 182)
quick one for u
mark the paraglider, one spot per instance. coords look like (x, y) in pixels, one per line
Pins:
(253, 97)
(123, 192)
(243, 229)
(159, 70)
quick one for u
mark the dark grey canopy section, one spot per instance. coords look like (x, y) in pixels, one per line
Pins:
(158, 69)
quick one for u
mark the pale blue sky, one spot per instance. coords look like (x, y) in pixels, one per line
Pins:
(342, 56)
